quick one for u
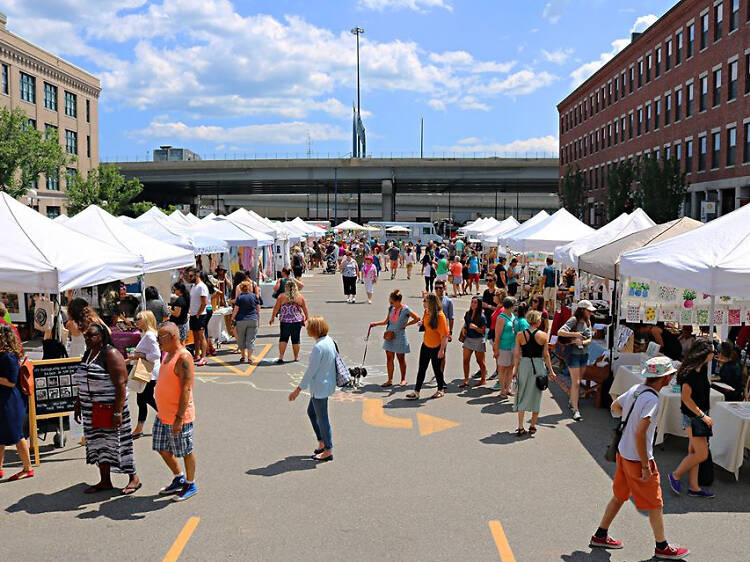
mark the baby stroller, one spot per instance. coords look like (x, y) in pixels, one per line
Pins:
(330, 263)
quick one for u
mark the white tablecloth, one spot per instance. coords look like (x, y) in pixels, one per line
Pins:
(731, 434)
(217, 328)
(670, 417)
(266, 293)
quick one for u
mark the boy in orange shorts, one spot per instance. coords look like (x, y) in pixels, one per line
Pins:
(637, 475)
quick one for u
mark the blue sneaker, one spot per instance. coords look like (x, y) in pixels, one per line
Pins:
(188, 491)
(675, 484)
(178, 483)
(700, 494)
(497, 386)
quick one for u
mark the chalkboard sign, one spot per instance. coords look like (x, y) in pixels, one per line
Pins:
(55, 392)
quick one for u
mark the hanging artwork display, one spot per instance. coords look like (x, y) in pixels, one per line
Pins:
(667, 294)
(686, 316)
(735, 317)
(701, 316)
(633, 313)
(649, 314)
(668, 314)
(720, 316)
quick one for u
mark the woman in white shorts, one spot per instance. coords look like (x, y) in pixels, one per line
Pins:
(504, 346)
(369, 277)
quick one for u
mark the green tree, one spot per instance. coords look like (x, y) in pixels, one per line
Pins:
(572, 191)
(105, 187)
(140, 207)
(619, 183)
(25, 153)
(662, 188)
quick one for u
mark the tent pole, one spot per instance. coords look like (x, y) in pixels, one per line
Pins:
(711, 329)
(615, 321)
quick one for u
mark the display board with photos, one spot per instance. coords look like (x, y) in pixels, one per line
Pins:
(55, 391)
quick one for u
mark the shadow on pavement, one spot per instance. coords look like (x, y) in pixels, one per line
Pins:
(503, 438)
(289, 464)
(112, 504)
(404, 403)
(596, 555)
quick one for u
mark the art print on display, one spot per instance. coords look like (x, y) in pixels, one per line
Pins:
(667, 294)
(633, 313)
(720, 317)
(649, 315)
(735, 317)
(701, 316)
(667, 315)
(686, 316)
(14, 303)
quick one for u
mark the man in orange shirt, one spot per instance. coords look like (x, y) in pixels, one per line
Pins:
(173, 426)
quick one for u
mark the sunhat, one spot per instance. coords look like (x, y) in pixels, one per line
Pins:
(586, 305)
(658, 367)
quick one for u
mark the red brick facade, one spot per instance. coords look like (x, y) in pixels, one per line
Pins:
(660, 77)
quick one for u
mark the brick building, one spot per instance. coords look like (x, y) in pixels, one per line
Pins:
(59, 99)
(680, 89)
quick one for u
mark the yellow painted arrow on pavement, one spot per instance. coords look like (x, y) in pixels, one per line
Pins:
(373, 414)
(237, 371)
(431, 424)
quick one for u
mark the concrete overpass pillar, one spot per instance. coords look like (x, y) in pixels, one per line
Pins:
(388, 200)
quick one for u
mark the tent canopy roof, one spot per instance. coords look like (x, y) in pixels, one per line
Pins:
(502, 227)
(231, 233)
(157, 225)
(349, 225)
(545, 236)
(524, 226)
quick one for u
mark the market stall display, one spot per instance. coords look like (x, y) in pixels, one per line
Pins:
(731, 435)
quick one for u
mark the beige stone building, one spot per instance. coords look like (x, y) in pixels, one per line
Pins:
(59, 98)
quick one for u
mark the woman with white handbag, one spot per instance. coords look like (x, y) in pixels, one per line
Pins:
(146, 360)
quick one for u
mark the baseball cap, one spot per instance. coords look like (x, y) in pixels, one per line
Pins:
(585, 305)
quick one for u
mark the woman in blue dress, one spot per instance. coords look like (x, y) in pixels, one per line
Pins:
(395, 343)
(12, 407)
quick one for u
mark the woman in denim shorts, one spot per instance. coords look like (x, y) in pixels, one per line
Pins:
(578, 329)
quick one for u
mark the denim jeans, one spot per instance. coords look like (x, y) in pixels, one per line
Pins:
(317, 410)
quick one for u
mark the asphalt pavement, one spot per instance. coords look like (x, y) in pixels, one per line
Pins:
(428, 480)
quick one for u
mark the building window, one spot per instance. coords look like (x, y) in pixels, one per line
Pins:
(734, 18)
(622, 129)
(678, 152)
(630, 126)
(597, 101)
(691, 40)
(702, 148)
(616, 89)
(716, 152)
(667, 109)
(53, 181)
(732, 86)
(746, 157)
(718, 20)
(88, 146)
(88, 111)
(622, 85)
(4, 85)
(704, 31)
(28, 88)
(70, 173)
(703, 102)
(657, 67)
(50, 131)
(71, 142)
(678, 48)
(667, 153)
(648, 67)
(648, 117)
(747, 69)
(604, 97)
(53, 212)
(616, 133)
(668, 59)
(31, 124)
(690, 97)
(609, 135)
(609, 93)
(717, 87)
(731, 146)
(677, 105)
(71, 105)
(50, 97)
(632, 79)
(640, 121)
(657, 114)
(688, 156)
(640, 73)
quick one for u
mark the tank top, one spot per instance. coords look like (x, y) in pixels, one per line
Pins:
(290, 313)
(167, 392)
(508, 337)
(531, 348)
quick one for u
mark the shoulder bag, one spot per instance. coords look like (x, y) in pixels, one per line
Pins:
(140, 375)
(101, 412)
(611, 453)
(343, 378)
(388, 335)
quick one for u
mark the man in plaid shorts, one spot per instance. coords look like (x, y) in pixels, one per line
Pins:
(173, 426)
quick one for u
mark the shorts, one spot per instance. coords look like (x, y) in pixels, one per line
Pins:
(475, 344)
(550, 294)
(686, 419)
(474, 277)
(576, 360)
(198, 323)
(627, 483)
(290, 330)
(442, 277)
(505, 357)
(297, 270)
(179, 445)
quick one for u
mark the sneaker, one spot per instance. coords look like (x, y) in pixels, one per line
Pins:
(577, 416)
(497, 386)
(178, 483)
(671, 553)
(188, 491)
(570, 406)
(201, 363)
(701, 494)
(606, 542)
(675, 484)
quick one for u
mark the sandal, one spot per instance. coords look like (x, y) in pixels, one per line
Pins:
(532, 430)
(412, 396)
(465, 384)
(439, 394)
(21, 475)
(386, 384)
(520, 432)
(480, 383)
(402, 383)
(130, 490)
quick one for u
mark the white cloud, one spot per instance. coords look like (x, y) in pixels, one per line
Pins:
(536, 145)
(518, 84)
(554, 10)
(586, 70)
(471, 103)
(558, 56)
(437, 104)
(416, 5)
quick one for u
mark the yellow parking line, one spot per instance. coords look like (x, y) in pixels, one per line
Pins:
(182, 539)
(227, 365)
(501, 542)
(257, 359)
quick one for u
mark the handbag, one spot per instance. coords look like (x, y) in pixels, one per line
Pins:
(700, 428)
(542, 381)
(141, 371)
(101, 412)
(462, 335)
(343, 378)
(388, 335)
(611, 453)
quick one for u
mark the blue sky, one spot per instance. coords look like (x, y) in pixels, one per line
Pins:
(239, 76)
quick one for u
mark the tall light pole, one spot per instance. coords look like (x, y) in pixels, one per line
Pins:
(358, 31)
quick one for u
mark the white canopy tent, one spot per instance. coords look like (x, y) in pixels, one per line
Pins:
(503, 227)
(156, 255)
(312, 230)
(243, 217)
(604, 261)
(156, 224)
(559, 228)
(714, 259)
(349, 225)
(472, 225)
(39, 254)
(488, 224)
(61, 219)
(398, 230)
(567, 254)
(208, 217)
(502, 240)
(231, 233)
(294, 230)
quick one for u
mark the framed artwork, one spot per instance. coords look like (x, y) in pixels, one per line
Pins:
(16, 305)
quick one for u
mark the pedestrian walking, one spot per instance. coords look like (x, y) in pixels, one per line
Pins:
(550, 285)
(298, 262)
(410, 260)
(155, 304)
(178, 312)
(349, 275)
(456, 270)
(369, 277)
(419, 250)
(12, 404)
(514, 277)
(198, 316)
(442, 268)
(472, 335)
(246, 316)
(531, 359)
(393, 255)
(292, 310)
(148, 351)
(473, 264)
(429, 272)
(174, 424)
(637, 475)
(501, 274)
(320, 377)
(433, 346)
(692, 376)
(102, 407)
(488, 299)
(504, 344)
(578, 329)
(395, 343)
(446, 305)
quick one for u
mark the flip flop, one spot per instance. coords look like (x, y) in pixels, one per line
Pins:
(464, 385)
(439, 394)
(386, 384)
(129, 490)
(402, 383)
(97, 489)
(21, 475)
